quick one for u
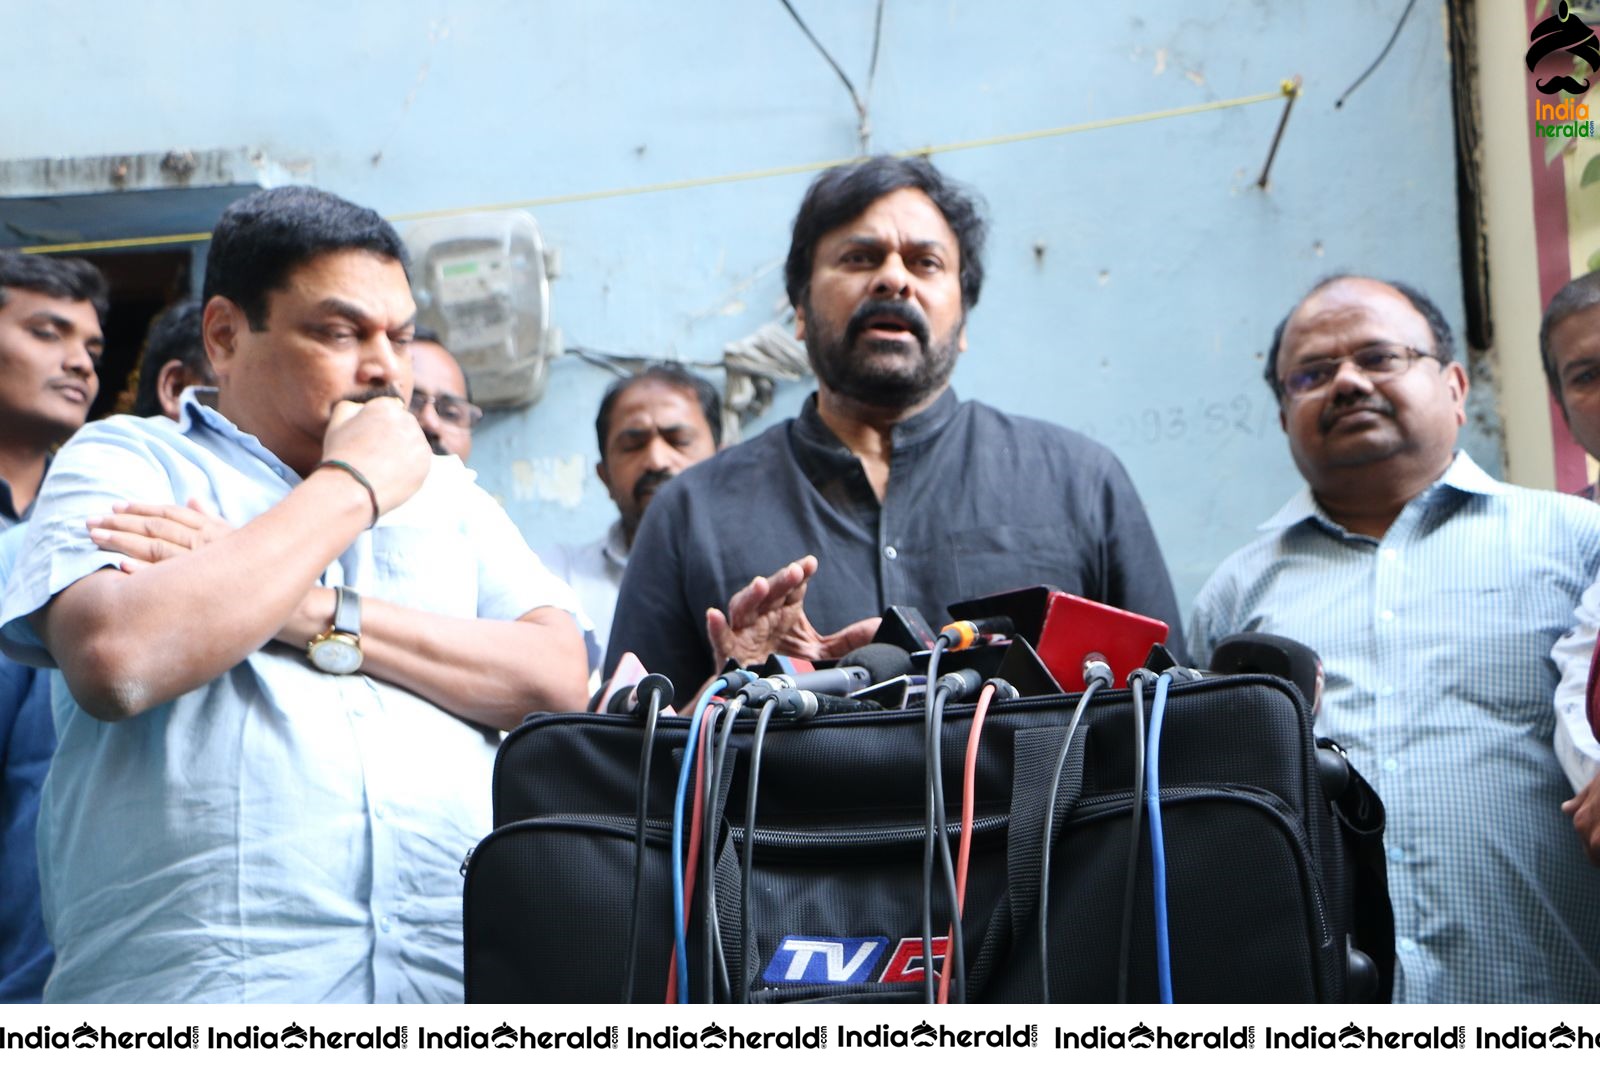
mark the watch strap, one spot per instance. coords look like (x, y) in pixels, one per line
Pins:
(346, 611)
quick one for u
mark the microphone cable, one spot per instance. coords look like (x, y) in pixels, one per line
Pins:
(642, 787)
(930, 772)
(716, 962)
(678, 974)
(968, 802)
(747, 861)
(1136, 682)
(954, 949)
(1158, 851)
(1096, 676)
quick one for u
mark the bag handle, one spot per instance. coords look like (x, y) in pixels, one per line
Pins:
(1033, 762)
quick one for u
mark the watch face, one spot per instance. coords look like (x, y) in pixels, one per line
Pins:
(336, 654)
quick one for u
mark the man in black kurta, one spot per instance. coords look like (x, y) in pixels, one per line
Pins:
(886, 490)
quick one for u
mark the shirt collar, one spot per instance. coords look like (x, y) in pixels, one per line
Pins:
(816, 435)
(615, 547)
(1463, 475)
(197, 412)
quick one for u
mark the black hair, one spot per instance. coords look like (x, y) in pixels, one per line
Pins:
(1443, 338)
(1580, 294)
(671, 374)
(842, 194)
(65, 279)
(174, 335)
(261, 239)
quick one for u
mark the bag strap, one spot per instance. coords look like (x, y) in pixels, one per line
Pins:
(1034, 761)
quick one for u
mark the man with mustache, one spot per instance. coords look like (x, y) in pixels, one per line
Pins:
(289, 660)
(441, 398)
(652, 426)
(1433, 593)
(886, 490)
(50, 345)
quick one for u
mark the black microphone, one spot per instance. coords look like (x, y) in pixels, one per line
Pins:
(1282, 657)
(881, 660)
(634, 701)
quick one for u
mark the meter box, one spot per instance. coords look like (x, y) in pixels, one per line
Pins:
(481, 283)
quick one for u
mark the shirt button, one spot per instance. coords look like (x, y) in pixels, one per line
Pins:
(1396, 853)
(1391, 765)
(379, 812)
(384, 924)
(1386, 615)
(890, 553)
(1386, 691)
(1408, 944)
(1390, 553)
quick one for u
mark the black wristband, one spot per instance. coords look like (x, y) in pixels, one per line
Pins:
(358, 476)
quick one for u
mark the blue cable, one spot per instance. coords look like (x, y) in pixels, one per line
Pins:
(1158, 848)
(678, 939)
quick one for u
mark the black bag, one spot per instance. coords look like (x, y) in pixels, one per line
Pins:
(1271, 887)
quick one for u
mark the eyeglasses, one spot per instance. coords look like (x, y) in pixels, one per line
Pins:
(451, 409)
(1376, 362)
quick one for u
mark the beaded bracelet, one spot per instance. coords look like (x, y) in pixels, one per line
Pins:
(358, 476)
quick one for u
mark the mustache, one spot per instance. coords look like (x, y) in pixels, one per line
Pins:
(1563, 83)
(908, 313)
(1375, 402)
(377, 392)
(649, 482)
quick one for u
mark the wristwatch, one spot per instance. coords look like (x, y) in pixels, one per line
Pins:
(337, 650)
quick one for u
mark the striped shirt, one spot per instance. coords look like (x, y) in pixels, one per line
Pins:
(1436, 640)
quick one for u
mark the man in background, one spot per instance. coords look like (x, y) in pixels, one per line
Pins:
(50, 342)
(441, 399)
(652, 426)
(174, 359)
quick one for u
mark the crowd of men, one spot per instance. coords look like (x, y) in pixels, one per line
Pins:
(264, 633)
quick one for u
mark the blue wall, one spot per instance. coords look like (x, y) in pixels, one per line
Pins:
(1142, 319)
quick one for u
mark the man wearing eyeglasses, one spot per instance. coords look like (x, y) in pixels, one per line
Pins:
(1433, 593)
(440, 397)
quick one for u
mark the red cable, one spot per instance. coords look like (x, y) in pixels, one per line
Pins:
(690, 866)
(968, 800)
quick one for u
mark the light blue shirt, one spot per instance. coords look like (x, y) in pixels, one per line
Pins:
(594, 571)
(280, 834)
(1436, 641)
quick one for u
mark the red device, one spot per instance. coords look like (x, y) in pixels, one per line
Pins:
(1074, 627)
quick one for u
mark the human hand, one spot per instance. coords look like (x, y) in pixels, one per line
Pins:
(768, 616)
(383, 441)
(1585, 811)
(150, 533)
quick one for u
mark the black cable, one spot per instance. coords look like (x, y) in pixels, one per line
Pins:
(1092, 688)
(1398, 26)
(747, 861)
(855, 97)
(1135, 839)
(716, 960)
(928, 832)
(954, 948)
(642, 788)
(708, 792)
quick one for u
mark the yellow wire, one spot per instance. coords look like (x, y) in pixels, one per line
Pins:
(1288, 88)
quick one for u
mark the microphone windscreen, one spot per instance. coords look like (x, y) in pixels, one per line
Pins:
(1283, 657)
(882, 661)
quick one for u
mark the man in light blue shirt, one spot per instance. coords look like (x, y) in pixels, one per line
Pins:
(1433, 594)
(289, 659)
